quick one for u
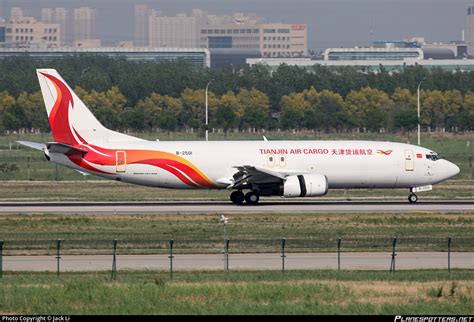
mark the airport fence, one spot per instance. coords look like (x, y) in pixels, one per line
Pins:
(43, 244)
(82, 244)
(280, 247)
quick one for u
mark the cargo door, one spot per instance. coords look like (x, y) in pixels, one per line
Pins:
(121, 158)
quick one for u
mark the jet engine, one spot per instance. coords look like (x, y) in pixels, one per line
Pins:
(305, 185)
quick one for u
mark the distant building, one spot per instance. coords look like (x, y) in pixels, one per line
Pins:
(233, 58)
(178, 31)
(84, 22)
(142, 25)
(283, 40)
(231, 36)
(399, 44)
(125, 44)
(237, 33)
(452, 65)
(16, 13)
(26, 31)
(197, 57)
(271, 40)
(470, 29)
(2, 34)
(87, 43)
(372, 53)
(436, 50)
(62, 17)
(444, 50)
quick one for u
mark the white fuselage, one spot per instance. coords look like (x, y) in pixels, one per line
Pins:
(266, 168)
(346, 164)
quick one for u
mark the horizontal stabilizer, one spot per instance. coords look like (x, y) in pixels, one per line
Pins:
(33, 145)
(55, 147)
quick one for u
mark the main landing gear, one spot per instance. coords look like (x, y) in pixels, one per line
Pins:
(412, 198)
(238, 197)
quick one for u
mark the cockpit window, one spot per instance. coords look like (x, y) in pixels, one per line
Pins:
(433, 157)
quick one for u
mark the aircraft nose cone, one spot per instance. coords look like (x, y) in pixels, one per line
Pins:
(452, 170)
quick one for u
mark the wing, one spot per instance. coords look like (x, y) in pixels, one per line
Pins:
(248, 175)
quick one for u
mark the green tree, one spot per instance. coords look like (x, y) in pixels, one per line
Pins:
(108, 117)
(465, 118)
(331, 112)
(368, 108)
(434, 107)
(134, 119)
(311, 113)
(95, 100)
(256, 108)
(7, 120)
(404, 113)
(161, 111)
(194, 106)
(229, 112)
(116, 99)
(293, 108)
(33, 106)
(454, 104)
(171, 110)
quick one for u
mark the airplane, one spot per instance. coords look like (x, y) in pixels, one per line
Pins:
(262, 168)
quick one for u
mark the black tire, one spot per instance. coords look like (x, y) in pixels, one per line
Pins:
(412, 198)
(237, 197)
(252, 198)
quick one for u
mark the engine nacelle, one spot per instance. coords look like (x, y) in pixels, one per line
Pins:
(305, 185)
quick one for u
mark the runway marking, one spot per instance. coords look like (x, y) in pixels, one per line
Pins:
(184, 207)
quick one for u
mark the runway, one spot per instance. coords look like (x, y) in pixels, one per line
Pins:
(224, 207)
(267, 261)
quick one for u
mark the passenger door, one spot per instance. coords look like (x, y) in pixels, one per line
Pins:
(409, 160)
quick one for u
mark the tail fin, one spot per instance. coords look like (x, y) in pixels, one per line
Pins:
(70, 120)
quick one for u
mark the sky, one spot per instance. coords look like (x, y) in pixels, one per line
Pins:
(331, 23)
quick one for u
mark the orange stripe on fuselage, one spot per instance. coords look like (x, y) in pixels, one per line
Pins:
(164, 160)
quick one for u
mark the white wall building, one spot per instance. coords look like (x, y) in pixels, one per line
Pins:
(178, 31)
(84, 22)
(470, 29)
(62, 17)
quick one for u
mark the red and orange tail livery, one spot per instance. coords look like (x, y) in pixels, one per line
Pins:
(73, 125)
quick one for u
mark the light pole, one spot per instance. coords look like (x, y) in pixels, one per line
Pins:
(207, 117)
(418, 99)
(225, 221)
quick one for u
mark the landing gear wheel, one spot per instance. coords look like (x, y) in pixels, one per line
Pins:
(237, 197)
(252, 198)
(412, 198)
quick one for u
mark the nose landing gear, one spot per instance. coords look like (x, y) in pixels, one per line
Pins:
(412, 198)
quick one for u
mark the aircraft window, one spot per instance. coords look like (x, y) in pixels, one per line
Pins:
(433, 157)
(270, 159)
(282, 159)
